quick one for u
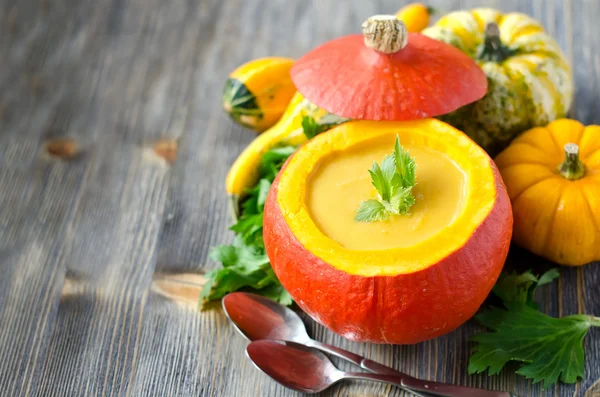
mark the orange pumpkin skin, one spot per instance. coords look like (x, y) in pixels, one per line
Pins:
(402, 309)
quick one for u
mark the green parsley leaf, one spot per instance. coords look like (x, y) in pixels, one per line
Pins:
(406, 168)
(263, 189)
(394, 181)
(249, 228)
(312, 128)
(272, 160)
(402, 200)
(244, 264)
(380, 182)
(371, 210)
(550, 349)
(276, 292)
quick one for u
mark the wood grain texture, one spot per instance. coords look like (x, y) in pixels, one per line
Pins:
(87, 230)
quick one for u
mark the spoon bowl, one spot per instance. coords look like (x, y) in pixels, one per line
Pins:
(257, 318)
(295, 366)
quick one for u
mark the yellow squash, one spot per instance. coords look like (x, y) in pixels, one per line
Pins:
(529, 78)
(415, 16)
(552, 175)
(244, 172)
(258, 92)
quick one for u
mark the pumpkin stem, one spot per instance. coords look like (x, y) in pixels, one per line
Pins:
(385, 33)
(493, 49)
(572, 168)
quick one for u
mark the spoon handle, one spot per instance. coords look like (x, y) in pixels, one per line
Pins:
(362, 362)
(367, 364)
(432, 388)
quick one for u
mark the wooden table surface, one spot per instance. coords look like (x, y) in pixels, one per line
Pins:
(113, 153)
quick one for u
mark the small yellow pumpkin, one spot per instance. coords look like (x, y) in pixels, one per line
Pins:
(257, 93)
(415, 16)
(552, 175)
(529, 78)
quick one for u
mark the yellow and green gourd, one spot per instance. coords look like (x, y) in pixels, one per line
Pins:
(257, 93)
(529, 78)
(244, 172)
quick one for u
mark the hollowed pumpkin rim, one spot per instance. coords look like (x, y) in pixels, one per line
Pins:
(480, 188)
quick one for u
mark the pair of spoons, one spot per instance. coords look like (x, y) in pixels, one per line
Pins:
(282, 349)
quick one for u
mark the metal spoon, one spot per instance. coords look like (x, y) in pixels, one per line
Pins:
(307, 370)
(257, 318)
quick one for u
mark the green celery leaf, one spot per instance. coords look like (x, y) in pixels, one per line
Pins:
(371, 211)
(492, 317)
(512, 287)
(550, 348)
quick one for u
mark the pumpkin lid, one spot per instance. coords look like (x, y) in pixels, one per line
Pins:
(388, 74)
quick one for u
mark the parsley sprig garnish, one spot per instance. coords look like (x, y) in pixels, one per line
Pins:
(311, 127)
(550, 349)
(244, 263)
(394, 181)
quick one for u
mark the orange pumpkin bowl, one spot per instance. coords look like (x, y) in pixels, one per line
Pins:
(398, 295)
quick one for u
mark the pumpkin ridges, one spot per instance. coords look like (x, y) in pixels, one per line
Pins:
(526, 153)
(571, 219)
(548, 235)
(589, 143)
(535, 233)
(538, 138)
(517, 195)
(483, 16)
(593, 160)
(532, 94)
(515, 25)
(566, 131)
(592, 197)
(460, 27)
(532, 62)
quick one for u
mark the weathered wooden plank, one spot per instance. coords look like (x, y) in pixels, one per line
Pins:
(81, 238)
(33, 269)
